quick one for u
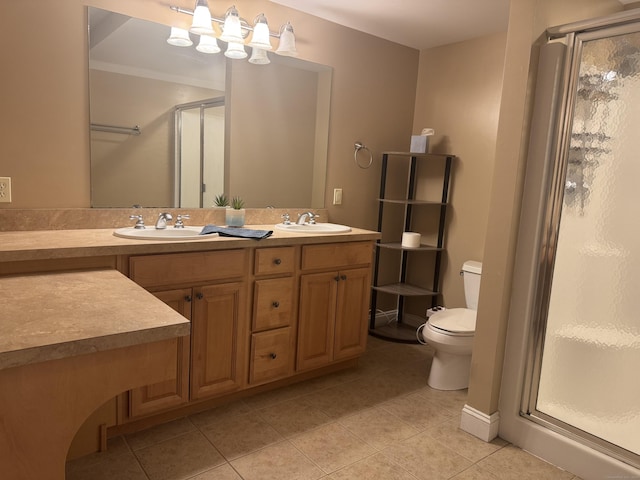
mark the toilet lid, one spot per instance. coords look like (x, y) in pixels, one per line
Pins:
(455, 320)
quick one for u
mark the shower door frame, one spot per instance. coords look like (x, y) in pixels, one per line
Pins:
(548, 249)
(202, 105)
(541, 435)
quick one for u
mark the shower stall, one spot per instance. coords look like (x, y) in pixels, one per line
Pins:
(574, 398)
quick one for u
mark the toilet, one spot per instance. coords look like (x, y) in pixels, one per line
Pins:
(450, 333)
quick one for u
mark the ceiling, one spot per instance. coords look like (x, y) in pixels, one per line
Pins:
(418, 24)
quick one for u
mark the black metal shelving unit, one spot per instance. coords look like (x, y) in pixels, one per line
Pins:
(398, 330)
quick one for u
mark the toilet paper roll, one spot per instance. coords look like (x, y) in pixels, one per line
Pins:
(410, 240)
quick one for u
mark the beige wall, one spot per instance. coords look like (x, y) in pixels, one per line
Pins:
(44, 122)
(459, 88)
(527, 21)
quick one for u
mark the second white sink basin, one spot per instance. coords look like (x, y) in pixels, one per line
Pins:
(169, 233)
(320, 228)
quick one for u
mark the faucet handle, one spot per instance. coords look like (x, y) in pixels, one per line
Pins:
(179, 223)
(312, 218)
(139, 221)
(286, 219)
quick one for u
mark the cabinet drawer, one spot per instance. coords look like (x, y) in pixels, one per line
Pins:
(270, 355)
(180, 268)
(273, 261)
(273, 303)
(336, 255)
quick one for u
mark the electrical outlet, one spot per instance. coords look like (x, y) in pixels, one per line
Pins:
(5, 189)
(337, 196)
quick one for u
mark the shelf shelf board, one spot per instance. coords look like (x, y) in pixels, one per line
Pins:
(410, 202)
(418, 155)
(405, 290)
(398, 246)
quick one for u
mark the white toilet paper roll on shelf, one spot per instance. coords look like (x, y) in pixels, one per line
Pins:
(410, 240)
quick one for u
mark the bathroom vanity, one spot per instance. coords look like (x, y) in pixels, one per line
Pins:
(262, 313)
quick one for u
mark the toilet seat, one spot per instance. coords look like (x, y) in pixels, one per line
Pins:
(459, 322)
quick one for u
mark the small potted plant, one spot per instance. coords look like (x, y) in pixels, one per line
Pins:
(234, 216)
(221, 201)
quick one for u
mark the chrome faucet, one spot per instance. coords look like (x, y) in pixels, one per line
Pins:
(163, 218)
(310, 216)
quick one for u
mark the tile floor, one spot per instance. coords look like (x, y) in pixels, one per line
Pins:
(377, 421)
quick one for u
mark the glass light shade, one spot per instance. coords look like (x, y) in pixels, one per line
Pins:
(201, 24)
(287, 46)
(259, 56)
(208, 45)
(260, 38)
(179, 37)
(236, 51)
(232, 31)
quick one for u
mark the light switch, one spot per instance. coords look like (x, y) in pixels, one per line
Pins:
(337, 196)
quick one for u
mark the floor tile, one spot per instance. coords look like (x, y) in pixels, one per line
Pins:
(223, 472)
(426, 458)
(376, 467)
(293, 417)
(332, 447)
(450, 402)
(179, 458)
(159, 433)
(474, 472)
(101, 466)
(512, 462)
(377, 427)
(417, 411)
(281, 461)
(464, 444)
(341, 400)
(241, 434)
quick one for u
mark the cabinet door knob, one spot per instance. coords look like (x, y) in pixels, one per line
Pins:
(343, 277)
(276, 304)
(277, 261)
(199, 296)
(336, 278)
(272, 355)
(187, 298)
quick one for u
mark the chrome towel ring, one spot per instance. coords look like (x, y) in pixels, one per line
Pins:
(360, 146)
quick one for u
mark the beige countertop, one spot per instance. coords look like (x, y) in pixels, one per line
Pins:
(51, 316)
(51, 244)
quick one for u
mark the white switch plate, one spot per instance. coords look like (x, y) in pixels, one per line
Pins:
(5, 189)
(337, 196)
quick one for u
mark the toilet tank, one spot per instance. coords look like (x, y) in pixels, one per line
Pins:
(471, 271)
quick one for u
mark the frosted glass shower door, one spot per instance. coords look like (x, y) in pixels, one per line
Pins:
(589, 380)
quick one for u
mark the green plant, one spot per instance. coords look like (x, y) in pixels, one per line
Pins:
(237, 203)
(221, 201)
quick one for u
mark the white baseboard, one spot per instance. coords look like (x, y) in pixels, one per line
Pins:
(479, 424)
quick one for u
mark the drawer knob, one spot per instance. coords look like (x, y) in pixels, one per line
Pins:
(276, 304)
(187, 298)
(277, 261)
(199, 296)
(272, 355)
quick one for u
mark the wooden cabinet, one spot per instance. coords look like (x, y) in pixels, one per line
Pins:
(218, 338)
(332, 320)
(171, 393)
(273, 325)
(212, 361)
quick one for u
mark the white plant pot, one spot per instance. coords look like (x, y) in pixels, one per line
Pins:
(234, 218)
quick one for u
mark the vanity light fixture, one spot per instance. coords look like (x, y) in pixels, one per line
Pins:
(235, 31)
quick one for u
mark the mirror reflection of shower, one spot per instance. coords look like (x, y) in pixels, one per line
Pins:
(200, 153)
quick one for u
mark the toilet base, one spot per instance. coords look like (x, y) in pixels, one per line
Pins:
(449, 372)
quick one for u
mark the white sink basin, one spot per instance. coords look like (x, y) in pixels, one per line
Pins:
(319, 228)
(169, 233)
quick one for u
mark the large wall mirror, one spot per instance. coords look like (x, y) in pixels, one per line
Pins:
(173, 127)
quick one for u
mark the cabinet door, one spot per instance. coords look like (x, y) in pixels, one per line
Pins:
(317, 318)
(218, 340)
(350, 338)
(170, 393)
